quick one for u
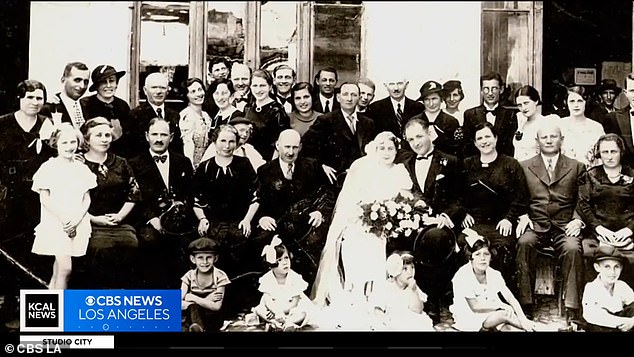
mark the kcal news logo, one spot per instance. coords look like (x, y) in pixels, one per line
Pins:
(41, 310)
(100, 310)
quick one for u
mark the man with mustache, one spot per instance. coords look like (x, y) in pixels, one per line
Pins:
(164, 178)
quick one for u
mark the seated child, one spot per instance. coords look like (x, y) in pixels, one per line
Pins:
(283, 305)
(401, 301)
(203, 287)
(476, 303)
(608, 303)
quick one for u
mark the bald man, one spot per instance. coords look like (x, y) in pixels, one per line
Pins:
(295, 198)
(155, 89)
(553, 181)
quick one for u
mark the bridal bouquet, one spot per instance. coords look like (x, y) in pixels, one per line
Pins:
(396, 216)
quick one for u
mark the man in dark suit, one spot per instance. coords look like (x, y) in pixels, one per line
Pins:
(385, 112)
(295, 200)
(436, 176)
(284, 78)
(241, 79)
(491, 110)
(164, 178)
(134, 130)
(608, 92)
(442, 125)
(553, 182)
(620, 121)
(324, 98)
(75, 83)
(338, 138)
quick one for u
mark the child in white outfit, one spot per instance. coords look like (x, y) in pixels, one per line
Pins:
(63, 184)
(284, 305)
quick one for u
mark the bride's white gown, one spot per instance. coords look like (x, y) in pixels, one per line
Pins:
(362, 254)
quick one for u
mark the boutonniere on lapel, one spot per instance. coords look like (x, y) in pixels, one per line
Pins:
(277, 184)
(627, 179)
(458, 134)
(440, 177)
(443, 161)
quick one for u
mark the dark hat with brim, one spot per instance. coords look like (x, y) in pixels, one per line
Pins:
(605, 252)
(428, 88)
(240, 120)
(101, 72)
(609, 84)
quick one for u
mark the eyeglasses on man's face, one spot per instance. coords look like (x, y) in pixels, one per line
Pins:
(487, 90)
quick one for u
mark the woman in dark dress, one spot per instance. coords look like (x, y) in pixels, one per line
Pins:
(222, 92)
(113, 244)
(225, 205)
(606, 202)
(268, 116)
(21, 154)
(495, 195)
(104, 103)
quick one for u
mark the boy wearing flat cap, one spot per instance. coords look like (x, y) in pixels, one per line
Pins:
(608, 303)
(203, 288)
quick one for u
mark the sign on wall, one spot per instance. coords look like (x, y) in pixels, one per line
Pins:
(585, 76)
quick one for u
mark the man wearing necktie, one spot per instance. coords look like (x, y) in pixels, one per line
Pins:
(164, 218)
(155, 89)
(385, 112)
(551, 220)
(325, 100)
(621, 122)
(295, 200)
(436, 176)
(338, 138)
(492, 111)
(74, 84)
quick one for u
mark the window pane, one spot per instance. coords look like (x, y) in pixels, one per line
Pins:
(225, 31)
(165, 45)
(278, 35)
(337, 39)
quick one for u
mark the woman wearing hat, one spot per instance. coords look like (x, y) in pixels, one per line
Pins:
(105, 103)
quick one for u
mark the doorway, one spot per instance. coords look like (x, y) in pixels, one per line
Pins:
(584, 36)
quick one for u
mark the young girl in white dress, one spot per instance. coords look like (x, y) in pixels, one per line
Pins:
(400, 301)
(476, 293)
(284, 305)
(63, 184)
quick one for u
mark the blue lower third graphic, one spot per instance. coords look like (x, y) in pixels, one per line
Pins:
(122, 310)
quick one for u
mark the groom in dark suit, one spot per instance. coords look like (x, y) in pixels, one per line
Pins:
(620, 121)
(552, 220)
(155, 88)
(338, 138)
(165, 215)
(295, 198)
(436, 176)
(385, 112)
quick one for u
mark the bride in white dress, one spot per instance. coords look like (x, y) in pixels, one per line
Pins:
(352, 256)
